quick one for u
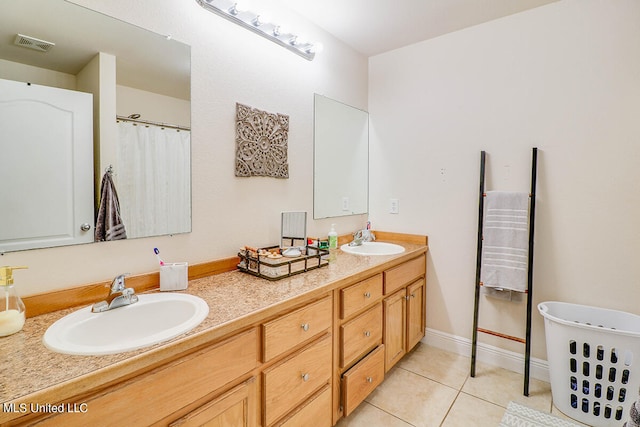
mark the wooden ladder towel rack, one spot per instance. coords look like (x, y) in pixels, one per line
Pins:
(529, 292)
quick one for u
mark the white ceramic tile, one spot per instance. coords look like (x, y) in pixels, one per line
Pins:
(469, 411)
(413, 398)
(501, 386)
(442, 366)
(367, 415)
(423, 390)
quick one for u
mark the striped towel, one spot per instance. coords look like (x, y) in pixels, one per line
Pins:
(505, 246)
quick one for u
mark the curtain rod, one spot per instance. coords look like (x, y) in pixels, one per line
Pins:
(147, 122)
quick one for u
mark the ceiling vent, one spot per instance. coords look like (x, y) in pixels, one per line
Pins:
(33, 43)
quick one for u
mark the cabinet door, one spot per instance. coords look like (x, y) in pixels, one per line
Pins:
(415, 313)
(395, 328)
(232, 409)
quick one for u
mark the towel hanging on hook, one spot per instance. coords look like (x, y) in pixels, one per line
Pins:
(109, 225)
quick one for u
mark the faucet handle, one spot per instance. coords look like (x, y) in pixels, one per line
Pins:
(118, 283)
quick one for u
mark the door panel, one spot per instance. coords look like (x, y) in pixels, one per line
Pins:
(46, 140)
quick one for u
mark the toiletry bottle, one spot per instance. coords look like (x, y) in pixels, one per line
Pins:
(333, 238)
(11, 307)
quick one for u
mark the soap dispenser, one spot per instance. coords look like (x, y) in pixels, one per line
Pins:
(12, 312)
(333, 238)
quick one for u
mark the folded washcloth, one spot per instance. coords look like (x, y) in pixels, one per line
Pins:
(109, 225)
(505, 246)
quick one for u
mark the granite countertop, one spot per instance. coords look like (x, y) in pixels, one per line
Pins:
(234, 299)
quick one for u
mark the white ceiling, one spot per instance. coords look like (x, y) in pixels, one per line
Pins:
(369, 26)
(145, 60)
(375, 26)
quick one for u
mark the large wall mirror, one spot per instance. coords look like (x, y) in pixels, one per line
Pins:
(341, 159)
(130, 90)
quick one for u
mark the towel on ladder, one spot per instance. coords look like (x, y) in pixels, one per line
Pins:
(505, 245)
(109, 225)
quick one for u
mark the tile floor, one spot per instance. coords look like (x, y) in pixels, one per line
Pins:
(432, 387)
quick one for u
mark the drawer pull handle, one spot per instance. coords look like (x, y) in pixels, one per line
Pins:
(413, 295)
(305, 327)
(369, 379)
(367, 333)
(367, 294)
(407, 297)
(305, 377)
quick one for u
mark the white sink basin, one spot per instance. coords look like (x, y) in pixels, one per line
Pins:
(373, 248)
(153, 319)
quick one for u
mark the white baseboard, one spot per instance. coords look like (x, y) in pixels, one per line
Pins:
(539, 369)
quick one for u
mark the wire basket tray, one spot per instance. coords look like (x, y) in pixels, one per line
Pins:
(276, 269)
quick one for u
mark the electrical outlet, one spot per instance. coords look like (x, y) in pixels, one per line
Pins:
(394, 206)
(345, 203)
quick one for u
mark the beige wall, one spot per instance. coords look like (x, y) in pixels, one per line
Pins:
(563, 77)
(229, 65)
(152, 106)
(25, 73)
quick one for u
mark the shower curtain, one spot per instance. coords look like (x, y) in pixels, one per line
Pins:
(153, 175)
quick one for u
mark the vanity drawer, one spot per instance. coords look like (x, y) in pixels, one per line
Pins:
(360, 335)
(292, 381)
(362, 379)
(315, 412)
(400, 276)
(359, 296)
(286, 332)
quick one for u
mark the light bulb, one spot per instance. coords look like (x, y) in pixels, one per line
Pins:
(235, 9)
(316, 47)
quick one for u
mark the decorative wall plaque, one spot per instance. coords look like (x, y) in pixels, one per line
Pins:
(261, 143)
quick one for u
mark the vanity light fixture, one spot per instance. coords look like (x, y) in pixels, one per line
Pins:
(257, 23)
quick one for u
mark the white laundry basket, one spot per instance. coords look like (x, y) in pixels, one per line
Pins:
(594, 361)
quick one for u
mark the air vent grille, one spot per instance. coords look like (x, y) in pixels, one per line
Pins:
(33, 43)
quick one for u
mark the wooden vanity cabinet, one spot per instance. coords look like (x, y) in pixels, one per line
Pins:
(404, 309)
(152, 397)
(310, 364)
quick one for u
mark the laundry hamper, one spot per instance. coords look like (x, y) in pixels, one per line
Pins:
(594, 361)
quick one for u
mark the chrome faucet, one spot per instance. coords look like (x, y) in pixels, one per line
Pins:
(119, 295)
(362, 236)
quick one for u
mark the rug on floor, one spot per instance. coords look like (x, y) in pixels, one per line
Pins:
(517, 415)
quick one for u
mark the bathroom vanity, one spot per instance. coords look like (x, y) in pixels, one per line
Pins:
(304, 350)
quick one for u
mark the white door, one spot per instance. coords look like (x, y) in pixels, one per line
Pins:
(46, 166)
